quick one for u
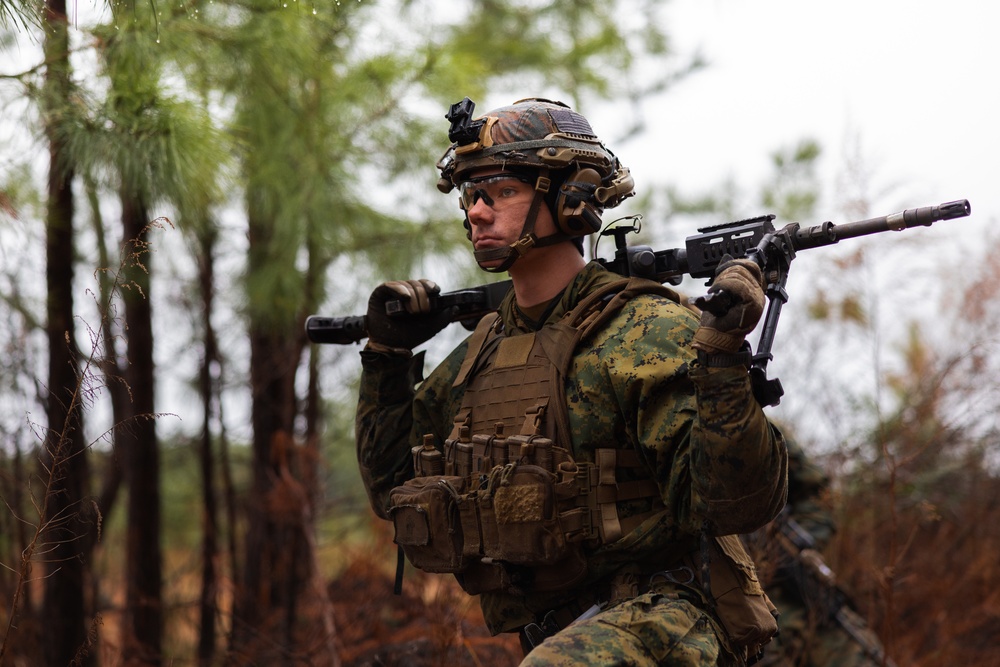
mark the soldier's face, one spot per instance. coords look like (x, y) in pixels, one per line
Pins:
(496, 220)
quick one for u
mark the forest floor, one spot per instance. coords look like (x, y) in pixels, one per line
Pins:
(928, 581)
(433, 622)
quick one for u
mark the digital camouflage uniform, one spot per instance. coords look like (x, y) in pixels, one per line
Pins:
(635, 383)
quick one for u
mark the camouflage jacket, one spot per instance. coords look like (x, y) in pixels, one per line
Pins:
(717, 460)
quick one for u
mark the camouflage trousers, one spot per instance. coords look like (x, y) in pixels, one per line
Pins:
(653, 629)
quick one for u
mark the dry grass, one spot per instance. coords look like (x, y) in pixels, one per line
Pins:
(938, 604)
(433, 622)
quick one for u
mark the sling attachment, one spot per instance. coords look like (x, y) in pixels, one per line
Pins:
(534, 418)
(607, 495)
(397, 587)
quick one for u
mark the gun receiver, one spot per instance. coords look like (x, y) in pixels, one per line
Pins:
(753, 238)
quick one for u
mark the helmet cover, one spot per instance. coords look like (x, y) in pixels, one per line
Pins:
(534, 134)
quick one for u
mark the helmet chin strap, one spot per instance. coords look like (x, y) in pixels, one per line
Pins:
(527, 240)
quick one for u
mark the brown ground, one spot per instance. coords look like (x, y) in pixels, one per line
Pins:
(432, 623)
(930, 587)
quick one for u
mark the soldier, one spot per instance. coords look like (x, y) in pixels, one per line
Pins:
(818, 625)
(585, 459)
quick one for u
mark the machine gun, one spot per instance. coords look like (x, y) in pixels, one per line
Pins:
(754, 238)
(773, 250)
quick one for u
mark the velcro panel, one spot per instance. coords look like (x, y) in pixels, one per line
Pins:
(514, 350)
(519, 504)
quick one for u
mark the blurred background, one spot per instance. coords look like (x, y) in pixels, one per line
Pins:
(183, 184)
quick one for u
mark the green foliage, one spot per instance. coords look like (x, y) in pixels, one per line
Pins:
(180, 493)
(19, 15)
(721, 202)
(19, 196)
(135, 133)
(794, 191)
(320, 125)
(790, 192)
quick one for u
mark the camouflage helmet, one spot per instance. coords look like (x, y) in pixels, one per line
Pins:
(532, 133)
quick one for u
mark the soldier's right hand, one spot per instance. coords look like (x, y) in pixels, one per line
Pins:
(404, 331)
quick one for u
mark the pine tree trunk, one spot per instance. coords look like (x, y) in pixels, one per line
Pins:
(64, 609)
(207, 386)
(282, 613)
(138, 445)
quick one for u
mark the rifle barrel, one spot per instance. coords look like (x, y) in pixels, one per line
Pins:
(336, 330)
(911, 217)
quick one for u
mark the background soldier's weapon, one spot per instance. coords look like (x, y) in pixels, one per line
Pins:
(803, 564)
(754, 238)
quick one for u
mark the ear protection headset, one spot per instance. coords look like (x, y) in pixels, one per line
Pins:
(582, 199)
(576, 212)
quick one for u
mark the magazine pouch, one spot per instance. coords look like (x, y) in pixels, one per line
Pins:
(425, 515)
(523, 542)
(527, 523)
(744, 609)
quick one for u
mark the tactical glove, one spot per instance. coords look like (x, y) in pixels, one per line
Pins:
(401, 332)
(743, 283)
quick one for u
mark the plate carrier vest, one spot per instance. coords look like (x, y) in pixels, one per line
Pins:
(505, 506)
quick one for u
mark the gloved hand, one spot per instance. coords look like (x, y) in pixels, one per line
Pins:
(403, 331)
(743, 281)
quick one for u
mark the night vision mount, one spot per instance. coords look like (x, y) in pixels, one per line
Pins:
(463, 130)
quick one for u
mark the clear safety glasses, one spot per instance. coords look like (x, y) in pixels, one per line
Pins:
(499, 191)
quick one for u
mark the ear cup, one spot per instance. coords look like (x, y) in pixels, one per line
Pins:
(576, 214)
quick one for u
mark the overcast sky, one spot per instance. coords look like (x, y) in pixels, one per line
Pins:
(914, 81)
